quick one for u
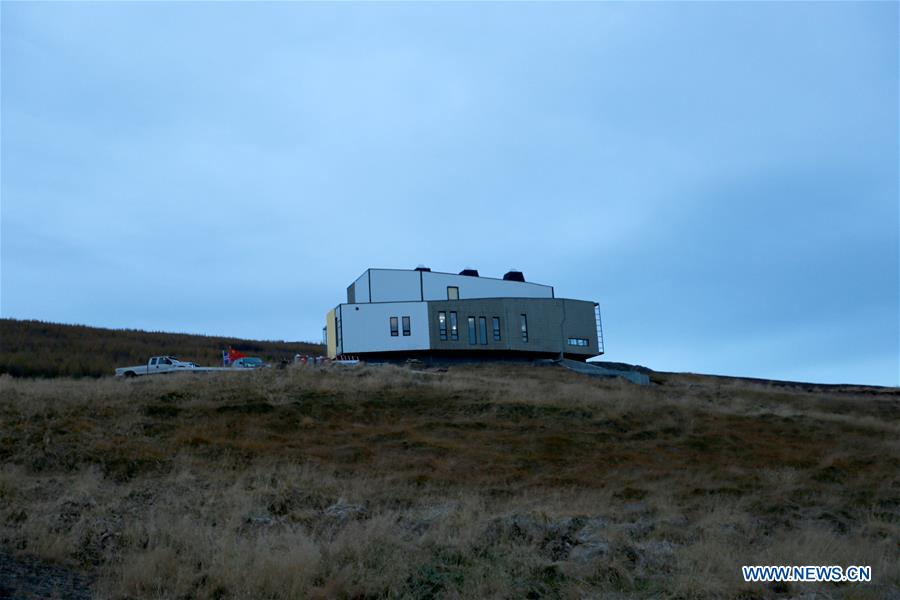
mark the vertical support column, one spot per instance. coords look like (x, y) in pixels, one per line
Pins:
(331, 334)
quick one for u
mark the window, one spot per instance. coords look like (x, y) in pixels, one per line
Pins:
(472, 338)
(482, 330)
(495, 322)
(452, 292)
(442, 325)
(454, 329)
(394, 326)
(579, 342)
(406, 326)
(523, 320)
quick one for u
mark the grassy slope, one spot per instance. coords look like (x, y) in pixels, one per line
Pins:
(507, 481)
(38, 349)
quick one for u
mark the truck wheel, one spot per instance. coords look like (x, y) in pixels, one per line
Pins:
(129, 373)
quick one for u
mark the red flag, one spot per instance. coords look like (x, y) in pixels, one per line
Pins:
(233, 354)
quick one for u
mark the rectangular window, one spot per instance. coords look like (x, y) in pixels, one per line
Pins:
(406, 326)
(452, 292)
(482, 330)
(472, 338)
(579, 342)
(495, 322)
(454, 328)
(524, 327)
(442, 325)
(394, 326)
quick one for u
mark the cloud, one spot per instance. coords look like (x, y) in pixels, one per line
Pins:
(718, 176)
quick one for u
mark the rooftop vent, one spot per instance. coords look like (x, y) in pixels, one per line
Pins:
(423, 268)
(514, 275)
(469, 272)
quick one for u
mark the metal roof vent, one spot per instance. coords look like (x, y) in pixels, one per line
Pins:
(423, 268)
(514, 275)
(469, 272)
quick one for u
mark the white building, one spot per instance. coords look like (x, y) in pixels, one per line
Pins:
(395, 313)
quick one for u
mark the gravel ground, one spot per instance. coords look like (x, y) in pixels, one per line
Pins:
(28, 578)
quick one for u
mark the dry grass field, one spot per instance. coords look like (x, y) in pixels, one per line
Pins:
(497, 481)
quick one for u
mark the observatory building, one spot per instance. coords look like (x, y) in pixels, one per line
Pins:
(393, 314)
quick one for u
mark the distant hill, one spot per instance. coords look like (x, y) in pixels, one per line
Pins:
(39, 349)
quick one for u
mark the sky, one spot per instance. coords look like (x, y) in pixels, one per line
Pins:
(721, 177)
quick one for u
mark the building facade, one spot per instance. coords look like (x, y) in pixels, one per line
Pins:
(395, 313)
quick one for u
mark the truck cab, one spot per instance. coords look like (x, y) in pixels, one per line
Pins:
(160, 363)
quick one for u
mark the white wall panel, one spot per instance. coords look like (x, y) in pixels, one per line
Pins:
(361, 287)
(390, 285)
(395, 285)
(367, 327)
(435, 287)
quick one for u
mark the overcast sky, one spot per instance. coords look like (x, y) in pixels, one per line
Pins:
(722, 178)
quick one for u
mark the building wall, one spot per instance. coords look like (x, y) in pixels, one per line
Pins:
(366, 327)
(434, 287)
(580, 321)
(399, 285)
(550, 323)
(390, 285)
(358, 291)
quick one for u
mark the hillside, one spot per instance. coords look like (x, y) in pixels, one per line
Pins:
(504, 481)
(39, 349)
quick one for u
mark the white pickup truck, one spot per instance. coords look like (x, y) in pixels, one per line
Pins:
(161, 364)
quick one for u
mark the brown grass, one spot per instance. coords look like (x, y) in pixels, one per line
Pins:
(490, 481)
